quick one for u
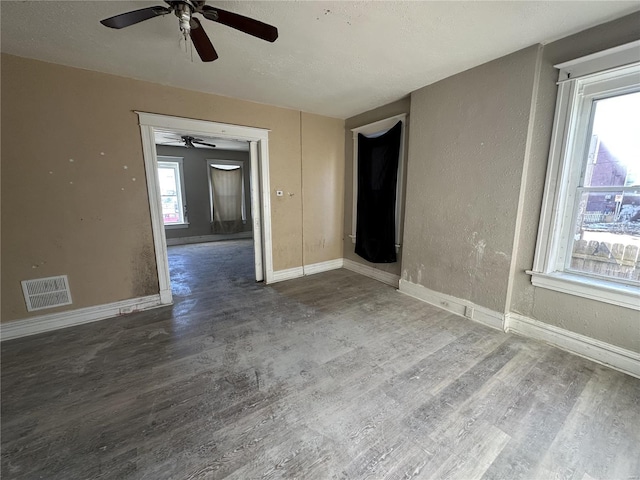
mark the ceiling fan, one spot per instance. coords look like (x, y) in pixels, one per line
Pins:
(190, 26)
(191, 142)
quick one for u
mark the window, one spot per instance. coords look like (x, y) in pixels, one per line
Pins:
(373, 130)
(228, 165)
(589, 233)
(172, 192)
(227, 195)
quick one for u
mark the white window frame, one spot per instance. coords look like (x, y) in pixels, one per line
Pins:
(373, 130)
(231, 163)
(177, 164)
(601, 75)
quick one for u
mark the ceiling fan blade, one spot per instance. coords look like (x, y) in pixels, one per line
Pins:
(201, 41)
(136, 16)
(239, 22)
(197, 142)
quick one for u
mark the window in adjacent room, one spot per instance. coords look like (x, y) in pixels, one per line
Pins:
(227, 195)
(174, 206)
(590, 225)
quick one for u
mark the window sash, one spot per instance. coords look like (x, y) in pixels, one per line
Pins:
(578, 125)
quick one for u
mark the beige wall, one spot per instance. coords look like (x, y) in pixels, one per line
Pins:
(380, 113)
(467, 144)
(477, 164)
(89, 218)
(323, 192)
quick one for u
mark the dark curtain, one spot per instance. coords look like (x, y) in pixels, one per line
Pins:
(377, 179)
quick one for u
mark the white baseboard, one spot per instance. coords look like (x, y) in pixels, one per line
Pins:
(288, 274)
(604, 353)
(312, 269)
(452, 304)
(376, 274)
(54, 321)
(208, 238)
(323, 266)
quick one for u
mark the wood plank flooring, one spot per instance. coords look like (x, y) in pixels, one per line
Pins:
(332, 376)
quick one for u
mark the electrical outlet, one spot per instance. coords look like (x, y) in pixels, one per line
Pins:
(468, 311)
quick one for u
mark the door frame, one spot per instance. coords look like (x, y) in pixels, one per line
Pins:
(258, 139)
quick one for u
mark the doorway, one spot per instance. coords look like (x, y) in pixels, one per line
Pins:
(259, 191)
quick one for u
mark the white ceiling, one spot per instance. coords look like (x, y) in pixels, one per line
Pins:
(332, 58)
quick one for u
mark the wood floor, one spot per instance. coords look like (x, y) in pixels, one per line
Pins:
(332, 376)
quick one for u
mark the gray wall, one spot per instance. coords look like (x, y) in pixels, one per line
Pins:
(196, 183)
(466, 153)
(478, 152)
(380, 113)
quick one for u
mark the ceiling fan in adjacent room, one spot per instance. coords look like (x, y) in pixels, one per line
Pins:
(190, 26)
(191, 142)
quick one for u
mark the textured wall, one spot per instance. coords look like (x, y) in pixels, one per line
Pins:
(322, 188)
(611, 324)
(89, 218)
(386, 111)
(196, 183)
(466, 151)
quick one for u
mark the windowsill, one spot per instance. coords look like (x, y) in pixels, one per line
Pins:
(175, 226)
(626, 296)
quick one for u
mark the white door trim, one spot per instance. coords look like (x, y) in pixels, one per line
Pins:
(262, 232)
(256, 214)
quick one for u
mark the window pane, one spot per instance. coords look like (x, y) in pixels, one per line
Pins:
(169, 178)
(171, 209)
(614, 150)
(168, 183)
(607, 234)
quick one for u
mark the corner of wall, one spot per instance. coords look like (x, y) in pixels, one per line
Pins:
(524, 180)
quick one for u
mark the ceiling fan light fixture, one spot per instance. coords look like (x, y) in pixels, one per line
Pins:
(190, 26)
(183, 12)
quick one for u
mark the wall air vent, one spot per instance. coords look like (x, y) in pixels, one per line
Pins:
(47, 292)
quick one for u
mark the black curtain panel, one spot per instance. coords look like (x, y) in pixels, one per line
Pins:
(377, 179)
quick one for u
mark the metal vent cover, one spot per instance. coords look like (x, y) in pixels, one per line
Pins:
(49, 292)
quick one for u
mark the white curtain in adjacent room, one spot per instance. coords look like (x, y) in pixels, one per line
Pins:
(226, 193)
